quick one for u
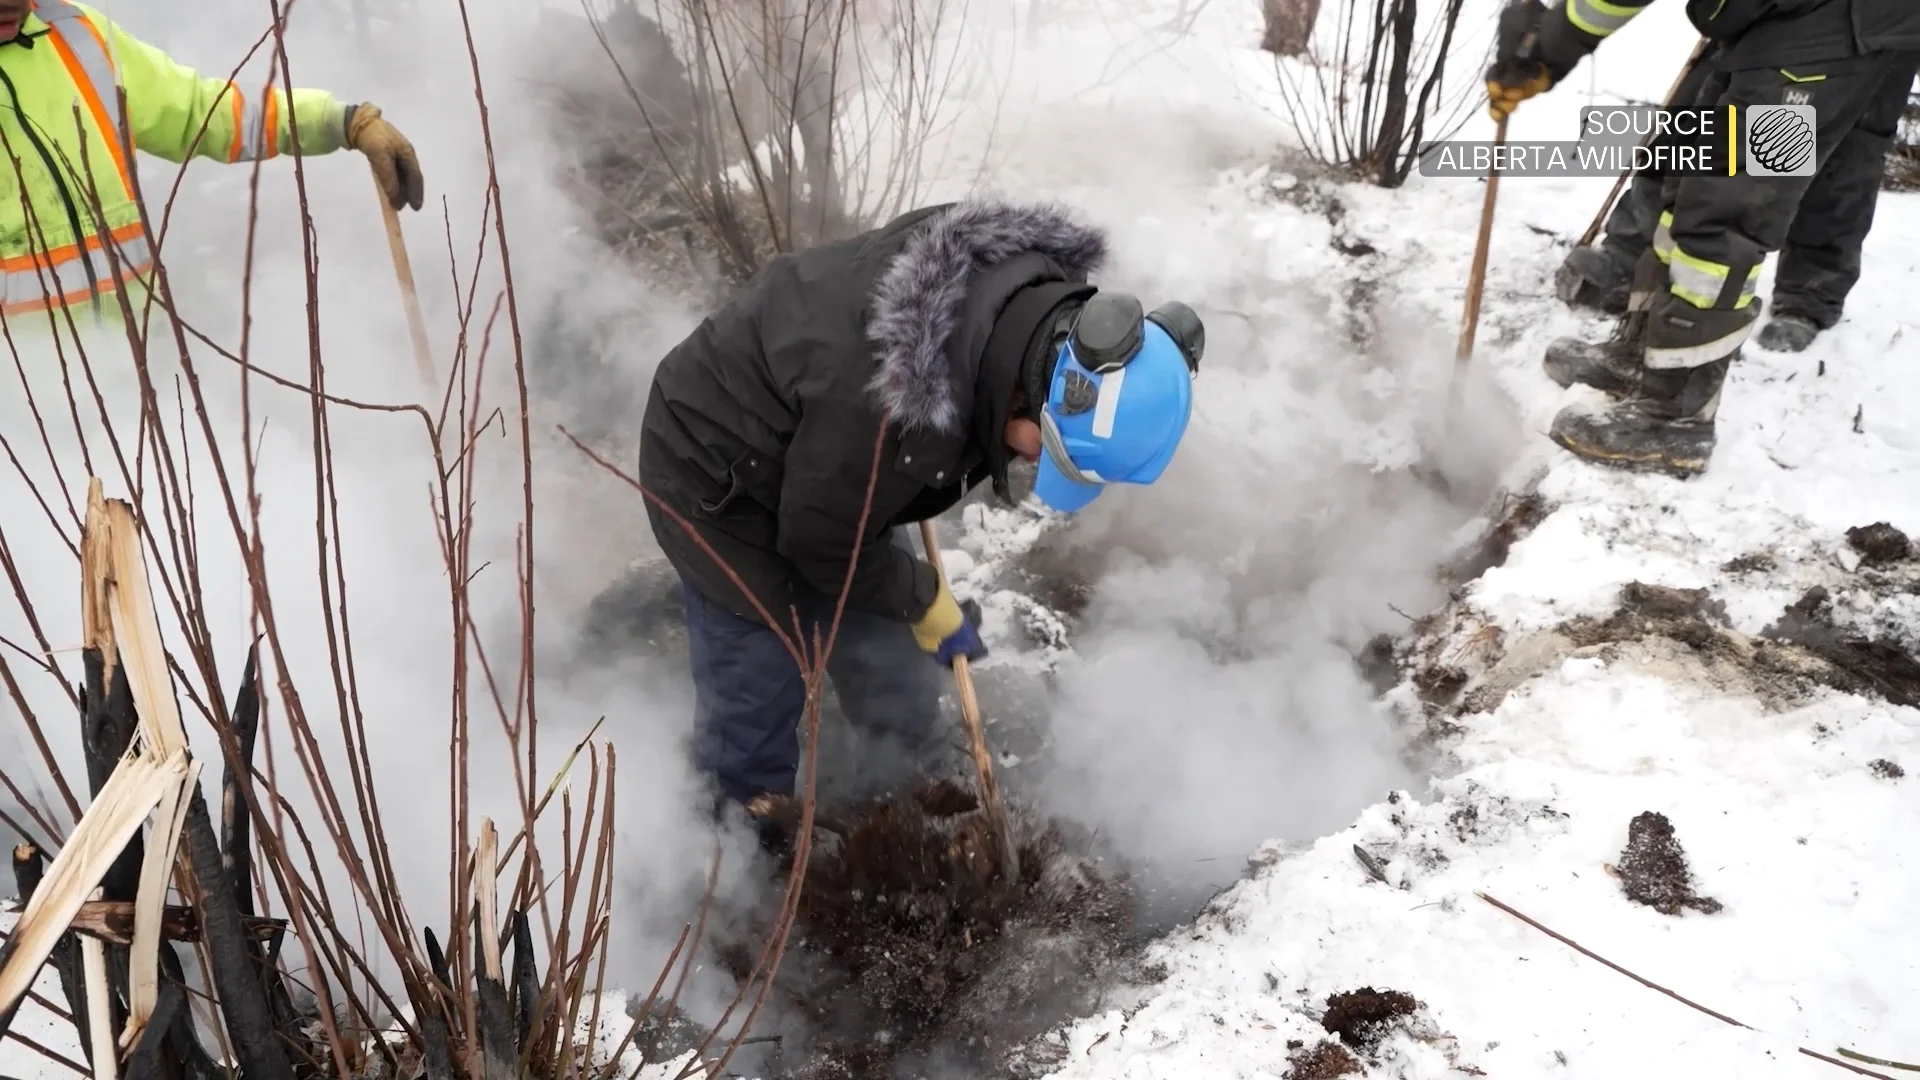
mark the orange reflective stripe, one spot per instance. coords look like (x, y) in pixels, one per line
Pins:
(61, 279)
(237, 102)
(90, 94)
(28, 307)
(270, 125)
(125, 234)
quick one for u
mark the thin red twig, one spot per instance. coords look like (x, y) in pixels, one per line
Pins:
(1651, 985)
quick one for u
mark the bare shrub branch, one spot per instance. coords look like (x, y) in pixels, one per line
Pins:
(1365, 93)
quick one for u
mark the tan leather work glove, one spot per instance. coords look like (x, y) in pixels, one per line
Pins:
(393, 159)
(1518, 71)
(1504, 97)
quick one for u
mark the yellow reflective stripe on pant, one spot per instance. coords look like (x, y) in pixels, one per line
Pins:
(1663, 237)
(28, 283)
(1702, 283)
(1598, 17)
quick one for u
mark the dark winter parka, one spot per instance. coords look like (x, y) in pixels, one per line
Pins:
(761, 426)
(1766, 33)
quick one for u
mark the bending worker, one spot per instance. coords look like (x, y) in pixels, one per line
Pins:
(1697, 282)
(949, 341)
(1820, 263)
(58, 58)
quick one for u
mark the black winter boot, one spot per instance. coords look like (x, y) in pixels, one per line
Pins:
(1612, 366)
(1666, 428)
(1596, 277)
(1787, 333)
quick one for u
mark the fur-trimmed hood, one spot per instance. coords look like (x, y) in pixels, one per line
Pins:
(918, 298)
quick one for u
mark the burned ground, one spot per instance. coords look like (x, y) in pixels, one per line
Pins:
(1520, 513)
(1855, 663)
(909, 945)
(1459, 663)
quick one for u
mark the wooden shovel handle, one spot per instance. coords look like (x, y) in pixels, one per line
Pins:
(976, 732)
(1477, 276)
(409, 296)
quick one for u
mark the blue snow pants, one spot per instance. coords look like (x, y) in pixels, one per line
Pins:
(749, 697)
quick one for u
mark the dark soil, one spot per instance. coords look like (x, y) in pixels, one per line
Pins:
(1440, 685)
(1378, 664)
(1885, 769)
(1754, 562)
(1324, 1060)
(1879, 543)
(1521, 514)
(1363, 1017)
(666, 1033)
(1860, 665)
(1653, 869)
(1053, 573)
(1688, 616)
(909, 945)
(1803, 647)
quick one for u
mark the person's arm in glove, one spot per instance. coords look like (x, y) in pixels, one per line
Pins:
(174, 112)
(1536, 46)
(950, 629)
(394, 162)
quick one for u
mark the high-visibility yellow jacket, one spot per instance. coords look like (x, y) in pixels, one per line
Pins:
(64, 146)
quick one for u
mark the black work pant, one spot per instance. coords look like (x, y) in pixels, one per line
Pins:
(1827, 225)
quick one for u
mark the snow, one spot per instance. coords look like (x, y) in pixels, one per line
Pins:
(1792, 833)
(610, 1034)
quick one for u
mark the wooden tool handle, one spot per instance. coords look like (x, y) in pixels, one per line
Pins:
(409, 296)
(1477, 276)
(1619, 182)
(976, 732)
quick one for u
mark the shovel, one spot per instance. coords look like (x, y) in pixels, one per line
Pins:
(976, 734)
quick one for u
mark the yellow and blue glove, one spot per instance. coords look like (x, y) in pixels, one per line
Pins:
(950, 629)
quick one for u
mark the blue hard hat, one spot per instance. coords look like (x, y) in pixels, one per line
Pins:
(1119, 399)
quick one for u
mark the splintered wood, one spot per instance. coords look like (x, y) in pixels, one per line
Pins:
(154, 780)
(123, 805)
